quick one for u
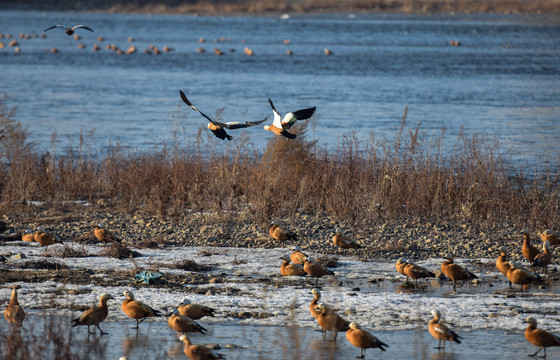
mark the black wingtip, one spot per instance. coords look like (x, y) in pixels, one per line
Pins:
(288, 135)
(271, 104)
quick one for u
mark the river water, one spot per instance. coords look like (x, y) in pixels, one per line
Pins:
(502, 81)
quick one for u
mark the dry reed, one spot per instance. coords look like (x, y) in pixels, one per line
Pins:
(409, 175)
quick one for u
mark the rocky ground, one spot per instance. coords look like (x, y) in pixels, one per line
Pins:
(417, 239)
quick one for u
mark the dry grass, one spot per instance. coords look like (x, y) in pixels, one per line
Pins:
(65, 252)
(118, 251)
(408, 175)
(189, 265)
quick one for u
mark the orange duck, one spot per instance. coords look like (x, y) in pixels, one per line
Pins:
(94, 315)
(529, 251)
(502, 263)
(199, 352)
(331, 321)
(280, 126)
(441, 332)
(316, 270)
(417, 272)
(400, 265)
(551, 237)
(194, 311)
(287, 269)
(517, 275)
(184, 324)
(344, 242)
(14, 313)
(297, 256)
(137, 310)
(543, 259)
(363, 340)
(277, 233)
(45, 239)
(104, 235)
(540, 338)
(455, 272)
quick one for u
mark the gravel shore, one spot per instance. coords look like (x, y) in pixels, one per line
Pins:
(414, 238)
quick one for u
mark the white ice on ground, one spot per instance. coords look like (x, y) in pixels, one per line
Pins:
(380, 305)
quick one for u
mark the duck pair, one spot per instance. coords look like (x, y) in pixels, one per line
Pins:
(280, 126)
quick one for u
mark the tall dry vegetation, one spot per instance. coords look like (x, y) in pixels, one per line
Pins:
(409, 175)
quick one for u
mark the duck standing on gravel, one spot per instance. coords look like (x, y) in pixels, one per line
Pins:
(104, 235)
(363, 339)
(543, 259)
(528, 250)
(14, 313)
(277, 233)
(137, 310)
(45, 239)
(550, 236)
(455, 272)
(344, 242)
(540, 338)
(441, 332)
(94, 315)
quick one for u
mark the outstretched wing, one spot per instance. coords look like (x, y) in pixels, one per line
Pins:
(287, 134)
(83, 27)
(55, 26)
(221, 134)
(291, 117)
(184, 97)
(240, 125)
(277, 118)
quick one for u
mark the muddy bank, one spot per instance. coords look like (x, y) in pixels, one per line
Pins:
(245, 7)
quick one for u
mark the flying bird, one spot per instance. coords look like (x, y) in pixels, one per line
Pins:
(217, 127)
(281, 126)
(68, 30)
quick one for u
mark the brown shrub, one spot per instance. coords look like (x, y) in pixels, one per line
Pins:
(118, 251)
(189, 265)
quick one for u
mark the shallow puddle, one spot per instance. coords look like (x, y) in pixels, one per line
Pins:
(155, 340)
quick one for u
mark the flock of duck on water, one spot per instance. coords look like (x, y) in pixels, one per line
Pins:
(152, 49)
(183, 317)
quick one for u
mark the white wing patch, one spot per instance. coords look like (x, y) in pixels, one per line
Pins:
(439, 330)
(288, 118)
(277, 120)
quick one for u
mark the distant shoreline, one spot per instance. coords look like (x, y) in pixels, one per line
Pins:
(251, 7)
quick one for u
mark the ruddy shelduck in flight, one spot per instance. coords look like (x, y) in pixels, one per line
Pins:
(68, 30)
(218, 127)
(281, 126)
